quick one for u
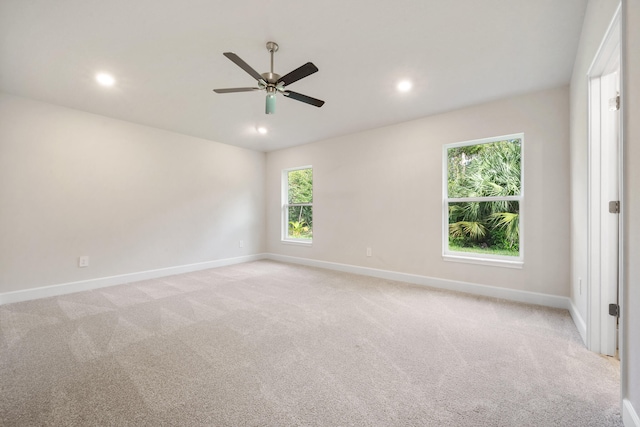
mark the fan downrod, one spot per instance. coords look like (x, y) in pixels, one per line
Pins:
(271, 78)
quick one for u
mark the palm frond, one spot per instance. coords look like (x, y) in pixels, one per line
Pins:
(471, 229)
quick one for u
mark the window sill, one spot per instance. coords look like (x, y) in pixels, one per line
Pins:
(483, 261)
(307, 243)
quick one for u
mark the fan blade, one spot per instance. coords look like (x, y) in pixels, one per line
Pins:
(240, 63)
(303, 98)
(236, 89)
(299, 73)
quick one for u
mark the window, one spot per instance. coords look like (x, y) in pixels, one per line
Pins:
(297, 205)
(483, 199)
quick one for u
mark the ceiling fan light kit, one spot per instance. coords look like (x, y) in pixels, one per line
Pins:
(272, 83)
(270, 106)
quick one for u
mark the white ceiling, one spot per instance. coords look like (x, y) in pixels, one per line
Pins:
(167, 57)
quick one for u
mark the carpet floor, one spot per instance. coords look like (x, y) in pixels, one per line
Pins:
(273, 344)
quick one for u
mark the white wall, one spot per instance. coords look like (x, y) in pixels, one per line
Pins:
(383, 188)
(597, 19)
(133, 198)
(631, 213)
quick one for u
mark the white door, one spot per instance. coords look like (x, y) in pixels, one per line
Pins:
(604, 188)
(609, 158)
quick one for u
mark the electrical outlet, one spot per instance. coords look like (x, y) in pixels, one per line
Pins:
(241, 244)
(368, 251)
(83, 261)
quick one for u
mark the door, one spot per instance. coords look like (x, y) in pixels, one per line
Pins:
(609, 200)
(604, 188)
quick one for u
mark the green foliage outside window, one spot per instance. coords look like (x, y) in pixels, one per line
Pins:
(300, 191)
(485, 170)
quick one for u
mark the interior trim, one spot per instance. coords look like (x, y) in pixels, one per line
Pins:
(102, 282)
(527, 297)
(629, 416)
(579, 321)
(547, 300)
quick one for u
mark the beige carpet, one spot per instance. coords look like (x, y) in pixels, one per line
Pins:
(271, 344)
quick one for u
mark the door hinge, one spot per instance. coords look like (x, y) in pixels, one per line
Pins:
(614, 207)
(614, 103)
(614, 310)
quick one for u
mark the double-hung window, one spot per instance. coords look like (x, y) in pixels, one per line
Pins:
(483, 201)
(297, 205)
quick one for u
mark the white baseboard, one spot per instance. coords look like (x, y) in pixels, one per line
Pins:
(452, 285)
(85, 285)
(471, 288)
(579, 321)
(629, 415)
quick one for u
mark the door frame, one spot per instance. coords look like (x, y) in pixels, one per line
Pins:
(600, 327)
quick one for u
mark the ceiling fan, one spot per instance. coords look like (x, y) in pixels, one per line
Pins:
(273, 83)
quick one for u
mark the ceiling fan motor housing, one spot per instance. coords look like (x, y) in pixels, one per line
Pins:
(271, 78)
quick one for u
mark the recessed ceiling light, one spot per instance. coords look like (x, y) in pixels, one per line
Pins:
(105, 79)
(262, 130)
(404, 86)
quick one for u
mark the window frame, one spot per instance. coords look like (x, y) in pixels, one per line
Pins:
(480, 258)
(285, 205)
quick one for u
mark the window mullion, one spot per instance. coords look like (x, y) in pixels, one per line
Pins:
(483, 199)
(298, 204)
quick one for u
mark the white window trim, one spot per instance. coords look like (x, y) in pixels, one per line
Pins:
(476, 258)
(284, 226)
